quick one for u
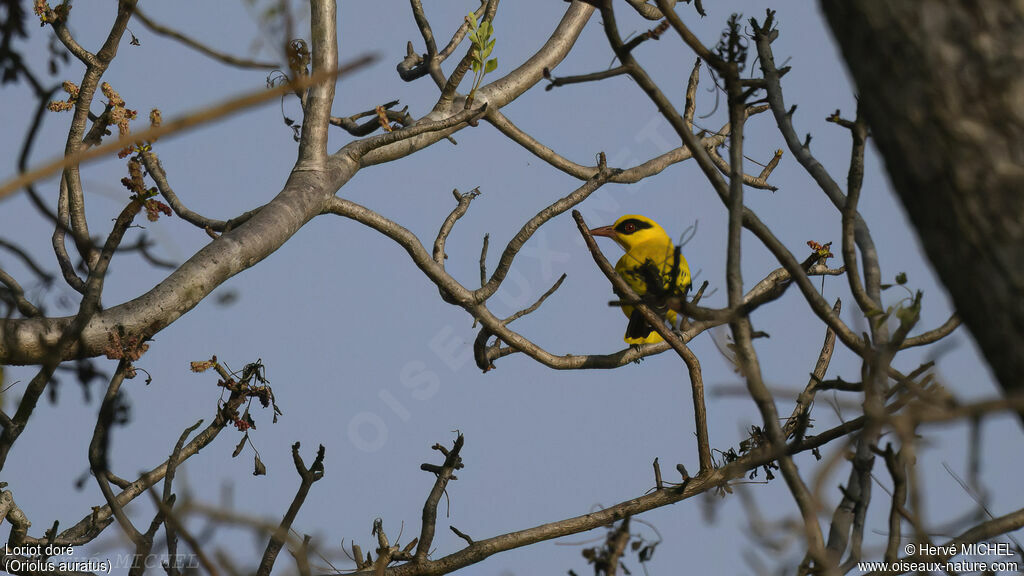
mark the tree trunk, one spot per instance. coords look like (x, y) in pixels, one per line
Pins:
(942, 86)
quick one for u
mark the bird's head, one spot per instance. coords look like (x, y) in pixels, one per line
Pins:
(632, 230)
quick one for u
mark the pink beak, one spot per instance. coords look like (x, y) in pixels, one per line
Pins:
(606, 231)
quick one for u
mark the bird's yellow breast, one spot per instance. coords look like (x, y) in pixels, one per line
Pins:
(661, 256)
(631, 268)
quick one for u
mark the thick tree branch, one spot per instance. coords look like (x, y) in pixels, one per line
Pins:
(319, 96)
(958, 95)
(25, 341)
(501, 91)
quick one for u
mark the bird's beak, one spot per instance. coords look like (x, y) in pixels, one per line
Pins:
(606, 231)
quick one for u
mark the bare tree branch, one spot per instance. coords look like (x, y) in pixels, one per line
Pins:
(156, 171)
(320, 96)
(308, 475)
(203, 116)
(658, 324)
(932, 336)
(445, 473)
(198, 46)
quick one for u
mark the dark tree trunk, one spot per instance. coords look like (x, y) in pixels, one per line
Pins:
(941, 83)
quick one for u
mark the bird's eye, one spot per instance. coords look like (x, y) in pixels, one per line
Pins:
(629, 227)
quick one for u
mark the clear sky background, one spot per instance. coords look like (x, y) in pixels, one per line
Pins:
(350, 330)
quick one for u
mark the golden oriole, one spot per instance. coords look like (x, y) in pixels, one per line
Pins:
(649, 258)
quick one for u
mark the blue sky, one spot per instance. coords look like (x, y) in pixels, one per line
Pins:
(366, 359)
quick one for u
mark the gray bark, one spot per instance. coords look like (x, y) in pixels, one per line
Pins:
(941, 85)
(316, 179)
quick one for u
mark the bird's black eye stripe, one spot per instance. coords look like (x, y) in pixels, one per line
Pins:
(632, 225)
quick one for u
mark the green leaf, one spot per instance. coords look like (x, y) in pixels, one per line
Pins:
(476, 65)
(491, 65)
(901, 278)
(486, 29)
(473, 38)
(886, 286)
(907, 315)
(471, 18)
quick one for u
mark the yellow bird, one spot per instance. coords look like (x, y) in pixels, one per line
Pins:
(649, 254)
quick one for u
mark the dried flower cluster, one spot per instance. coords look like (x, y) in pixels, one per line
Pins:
(64, 105)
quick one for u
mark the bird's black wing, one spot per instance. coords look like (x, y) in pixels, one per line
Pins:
(638, 326)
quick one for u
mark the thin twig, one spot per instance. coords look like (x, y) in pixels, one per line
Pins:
(203, 116)
(445, 473)
(202, 48)
(533, 307)
(168, 497)
(308, 475)
(187, 536)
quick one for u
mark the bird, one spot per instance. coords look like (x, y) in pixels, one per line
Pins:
(649, 254)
